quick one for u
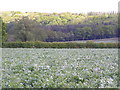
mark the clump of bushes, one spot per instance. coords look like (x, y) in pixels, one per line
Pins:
(39, 44)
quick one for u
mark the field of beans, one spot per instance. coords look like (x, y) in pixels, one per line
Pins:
(59, 68)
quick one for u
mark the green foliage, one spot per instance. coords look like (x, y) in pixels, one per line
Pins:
(51, 27)
(60, 68)
(90, 44)
(39, 44)
(3, 33)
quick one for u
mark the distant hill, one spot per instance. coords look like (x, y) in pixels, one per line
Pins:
(59, 27)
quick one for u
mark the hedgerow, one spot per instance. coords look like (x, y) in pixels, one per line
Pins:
(39, 44)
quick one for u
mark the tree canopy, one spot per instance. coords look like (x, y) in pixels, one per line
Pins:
(34, 26)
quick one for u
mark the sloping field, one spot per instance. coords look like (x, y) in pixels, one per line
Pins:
(107, 40)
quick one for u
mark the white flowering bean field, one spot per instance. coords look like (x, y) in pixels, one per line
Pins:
(59, 68)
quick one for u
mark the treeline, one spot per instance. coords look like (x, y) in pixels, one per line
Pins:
(59, 27)
(38, 44)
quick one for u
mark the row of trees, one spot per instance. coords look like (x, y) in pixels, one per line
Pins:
(59, 26)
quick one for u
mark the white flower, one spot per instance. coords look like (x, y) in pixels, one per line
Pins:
(35, 65)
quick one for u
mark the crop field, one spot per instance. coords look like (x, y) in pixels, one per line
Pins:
(59, 68)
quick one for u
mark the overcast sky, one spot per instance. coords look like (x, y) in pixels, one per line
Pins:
(50, 6)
